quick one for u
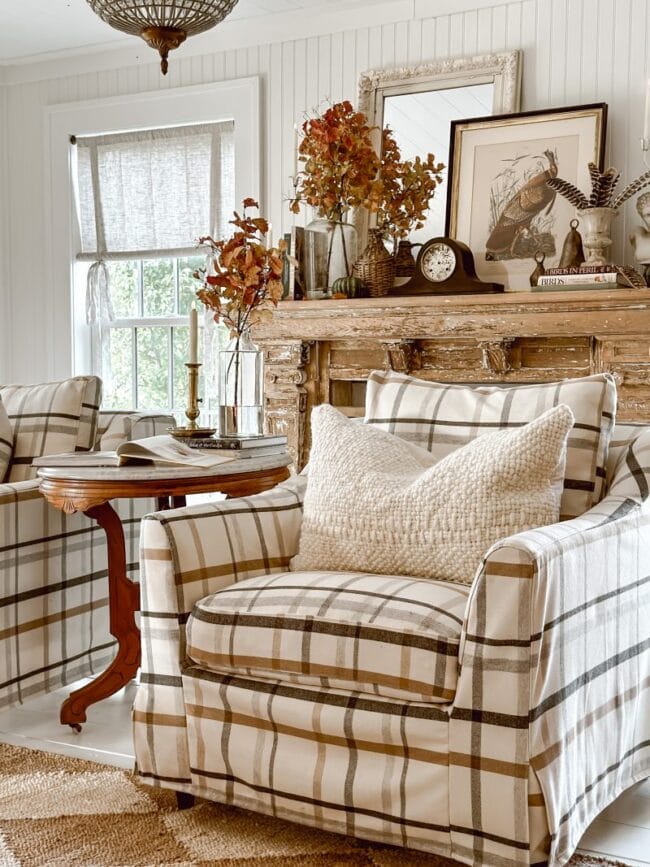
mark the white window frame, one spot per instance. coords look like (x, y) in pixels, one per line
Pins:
(69, 337)
(134, 323)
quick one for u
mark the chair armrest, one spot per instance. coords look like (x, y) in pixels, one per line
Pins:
(189, 553)
(13, 492)
(555, 659)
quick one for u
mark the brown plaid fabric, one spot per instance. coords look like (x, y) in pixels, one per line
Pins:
(442, 417)
(6, 441)
(380, 634)
(50, 418)
(549, 723)
(54, 590)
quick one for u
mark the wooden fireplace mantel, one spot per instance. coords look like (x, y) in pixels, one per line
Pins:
(317, 351)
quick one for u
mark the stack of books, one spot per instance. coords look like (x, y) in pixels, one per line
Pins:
(240, 447)
(588, 277)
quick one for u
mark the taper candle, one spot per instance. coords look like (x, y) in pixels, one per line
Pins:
(646, 124)
(194, 334)
(269, 237)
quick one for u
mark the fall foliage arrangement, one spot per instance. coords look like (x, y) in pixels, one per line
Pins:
(244, 281)
(340, 163)
(342, 170)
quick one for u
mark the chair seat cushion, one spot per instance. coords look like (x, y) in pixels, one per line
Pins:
(380, 634)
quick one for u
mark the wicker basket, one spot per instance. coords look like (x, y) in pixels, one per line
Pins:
(376, 267)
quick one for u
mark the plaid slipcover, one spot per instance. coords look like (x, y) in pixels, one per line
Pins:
(382, 634)
(50, 418)
(53, 584)
(550, 721)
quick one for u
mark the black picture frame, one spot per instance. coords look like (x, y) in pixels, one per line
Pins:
(492, 159)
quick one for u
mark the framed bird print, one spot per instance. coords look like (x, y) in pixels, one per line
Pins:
(498, 202)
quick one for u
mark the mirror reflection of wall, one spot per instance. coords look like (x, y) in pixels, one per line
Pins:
(421, 123)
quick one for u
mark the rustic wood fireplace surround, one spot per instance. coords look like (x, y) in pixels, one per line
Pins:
(322, 351)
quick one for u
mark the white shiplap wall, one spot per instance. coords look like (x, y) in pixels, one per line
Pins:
(575, 51)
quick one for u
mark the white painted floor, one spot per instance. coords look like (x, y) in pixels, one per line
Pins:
(621, 832)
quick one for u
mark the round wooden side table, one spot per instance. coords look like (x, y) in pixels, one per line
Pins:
(89, 490)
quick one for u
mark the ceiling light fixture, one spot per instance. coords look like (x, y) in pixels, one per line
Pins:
(164, 24)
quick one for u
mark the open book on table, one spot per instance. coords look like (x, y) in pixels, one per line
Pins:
(162, 449)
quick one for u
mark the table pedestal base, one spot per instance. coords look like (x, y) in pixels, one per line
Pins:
(124, 601)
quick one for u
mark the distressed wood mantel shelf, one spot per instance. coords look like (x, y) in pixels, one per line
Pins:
(318, 351)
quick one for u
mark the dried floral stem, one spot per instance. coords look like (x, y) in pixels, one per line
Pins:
(244, 282)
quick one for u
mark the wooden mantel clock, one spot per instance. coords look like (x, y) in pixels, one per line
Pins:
(445, 267)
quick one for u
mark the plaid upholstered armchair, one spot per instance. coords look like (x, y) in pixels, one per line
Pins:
(53, 578)
(488, 722)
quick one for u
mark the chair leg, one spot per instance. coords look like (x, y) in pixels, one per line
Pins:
(184, 800)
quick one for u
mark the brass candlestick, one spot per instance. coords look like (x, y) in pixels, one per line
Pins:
(192, 411)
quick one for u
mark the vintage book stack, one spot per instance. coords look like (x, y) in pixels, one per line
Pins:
(241, 447)
(585, 277)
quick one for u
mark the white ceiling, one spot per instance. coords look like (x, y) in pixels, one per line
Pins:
(33, 28)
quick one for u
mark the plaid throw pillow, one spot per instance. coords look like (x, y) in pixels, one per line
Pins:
(50, 418)
(375, 503)
(442, 417)
(6, 441)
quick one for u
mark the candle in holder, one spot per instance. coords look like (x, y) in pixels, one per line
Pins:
(194, 334)
(646, 120)
(269, 237)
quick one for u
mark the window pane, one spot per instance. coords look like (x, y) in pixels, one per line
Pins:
(123, 288)
(118, 372)
(153, 368)
(158, 287)
(187, 285)
(181, 338)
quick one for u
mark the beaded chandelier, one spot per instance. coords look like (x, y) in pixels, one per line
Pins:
(163, 24)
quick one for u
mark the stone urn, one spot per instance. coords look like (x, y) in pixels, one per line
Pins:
(596, 231)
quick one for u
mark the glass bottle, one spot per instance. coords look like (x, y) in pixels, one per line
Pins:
(241, 388)
(330, 253)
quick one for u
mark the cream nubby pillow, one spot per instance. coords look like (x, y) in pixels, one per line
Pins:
(376, 503)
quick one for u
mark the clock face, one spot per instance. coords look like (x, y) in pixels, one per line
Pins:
(438, 263)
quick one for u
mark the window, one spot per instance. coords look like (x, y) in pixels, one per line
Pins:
(143, 200)
(146, 343)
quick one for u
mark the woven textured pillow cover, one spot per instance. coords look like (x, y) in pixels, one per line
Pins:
(441, 417)
(375, 503)
(50, 418)
(6, 441)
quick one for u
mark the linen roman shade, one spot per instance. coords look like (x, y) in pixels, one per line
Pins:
(153, 192)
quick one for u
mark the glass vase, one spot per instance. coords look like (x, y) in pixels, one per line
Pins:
(330, 252)
(241, 388)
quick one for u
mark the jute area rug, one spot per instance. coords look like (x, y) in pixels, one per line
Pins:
(62, 812)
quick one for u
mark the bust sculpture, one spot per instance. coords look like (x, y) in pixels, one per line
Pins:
(640, 237)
